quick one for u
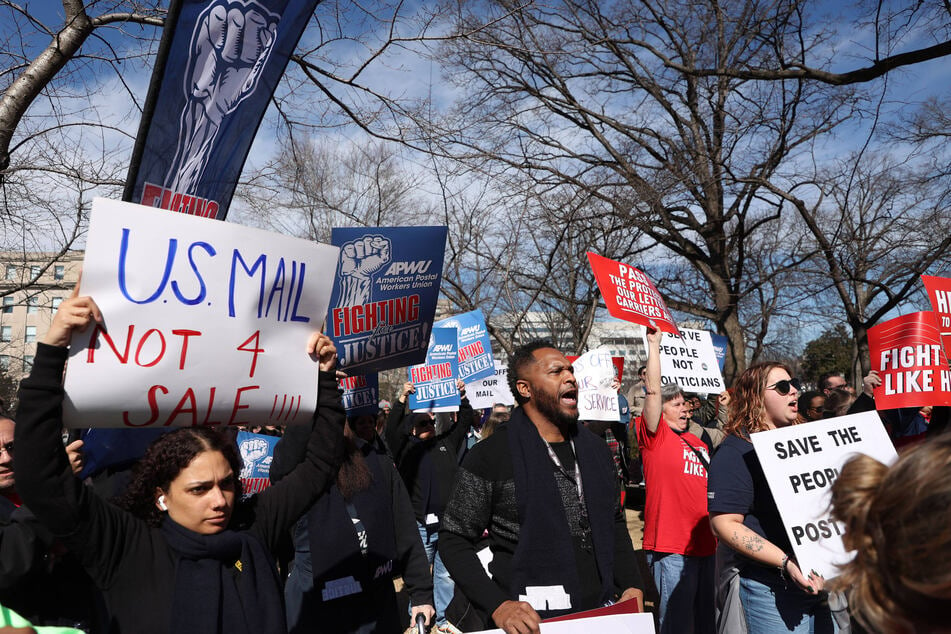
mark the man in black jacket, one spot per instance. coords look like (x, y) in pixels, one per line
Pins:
(427, 460)
(546, 491)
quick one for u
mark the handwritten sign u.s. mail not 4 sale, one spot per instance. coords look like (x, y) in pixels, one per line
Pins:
(205, 322)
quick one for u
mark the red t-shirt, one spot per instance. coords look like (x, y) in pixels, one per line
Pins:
(675, 515)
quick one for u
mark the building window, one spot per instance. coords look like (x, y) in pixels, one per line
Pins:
(6, 333)
(32, 304)
(34, 271)
(27, 362)
(58, 271)
(30, 336)
(4, 362)
(8, 304)
(11, 274)
(56, 302)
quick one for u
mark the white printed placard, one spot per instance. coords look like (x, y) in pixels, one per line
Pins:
(205, 322)
(691, 361)
(800, 463)
(594, 373)
(640, 623)
(491, 390)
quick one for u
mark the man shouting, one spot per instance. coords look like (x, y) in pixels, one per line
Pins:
(546, 491)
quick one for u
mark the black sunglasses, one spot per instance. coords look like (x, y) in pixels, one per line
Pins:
(783, 387)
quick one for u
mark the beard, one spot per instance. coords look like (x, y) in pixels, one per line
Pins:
(550, 407)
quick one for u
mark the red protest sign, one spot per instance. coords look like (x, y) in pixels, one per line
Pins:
(908, 355)
(939, 292)
(630, 295)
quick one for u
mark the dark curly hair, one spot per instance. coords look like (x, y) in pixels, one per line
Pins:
(164, 460)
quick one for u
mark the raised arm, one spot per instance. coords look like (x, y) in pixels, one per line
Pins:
(45, 479)
(396, 435)
(653, 408)
(279, 506)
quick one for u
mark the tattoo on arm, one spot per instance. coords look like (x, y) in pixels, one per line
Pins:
(751, 543)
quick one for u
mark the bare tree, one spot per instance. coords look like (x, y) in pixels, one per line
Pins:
(878, 225)
(58, 145)
(585, 96)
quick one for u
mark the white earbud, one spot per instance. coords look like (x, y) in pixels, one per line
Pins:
(161, 503)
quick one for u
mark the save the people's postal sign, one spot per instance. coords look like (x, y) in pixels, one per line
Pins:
(205, 322)
(801, 462)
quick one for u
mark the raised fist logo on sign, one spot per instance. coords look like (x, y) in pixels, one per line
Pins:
(359, 260)
(230, 45)
(252, 450)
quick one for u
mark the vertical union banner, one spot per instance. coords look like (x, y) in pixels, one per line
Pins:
(908, 355)
(219, 64)
(384, 295)
(435, 380)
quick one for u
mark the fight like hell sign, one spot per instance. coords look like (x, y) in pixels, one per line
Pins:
(206, 322)
(630, 295)
(909, 357)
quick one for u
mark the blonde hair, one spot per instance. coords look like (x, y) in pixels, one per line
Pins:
(747, 407)
(898, 520)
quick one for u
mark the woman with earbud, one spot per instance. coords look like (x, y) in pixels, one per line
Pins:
(179, 553)
(775, 595)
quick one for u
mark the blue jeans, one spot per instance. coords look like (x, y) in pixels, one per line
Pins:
(771, 609)
(443, 585)
(687, 591)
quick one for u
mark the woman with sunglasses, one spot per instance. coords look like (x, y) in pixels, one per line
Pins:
(774, 594)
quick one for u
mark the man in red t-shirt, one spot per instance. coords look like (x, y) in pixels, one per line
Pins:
(677, 537)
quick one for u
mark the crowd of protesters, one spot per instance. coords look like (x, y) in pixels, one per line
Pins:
(496, 518)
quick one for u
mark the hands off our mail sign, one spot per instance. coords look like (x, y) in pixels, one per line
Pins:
(691, 361)
(800, 463)
(475, 346)
(384, 295)
(491, 390)
(435, 380)
(206, 322)
(594, 372)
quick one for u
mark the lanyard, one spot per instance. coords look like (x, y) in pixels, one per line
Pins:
(577, 476)
(584, 523)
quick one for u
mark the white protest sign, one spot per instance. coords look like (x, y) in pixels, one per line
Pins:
(691, 361)
(641, 623)
(800, 463)
(491, 390)
(594, 373)
(206, 322)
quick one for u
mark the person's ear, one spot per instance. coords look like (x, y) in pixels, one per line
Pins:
(160, 501)
(524, 389)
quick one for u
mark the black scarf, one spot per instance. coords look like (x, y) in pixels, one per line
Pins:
(544, 555)
(212, 595)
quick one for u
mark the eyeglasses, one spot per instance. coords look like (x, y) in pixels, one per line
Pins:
(8, 448)
(783, 387)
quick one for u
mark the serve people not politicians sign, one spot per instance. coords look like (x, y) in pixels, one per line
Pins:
(205, 322)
